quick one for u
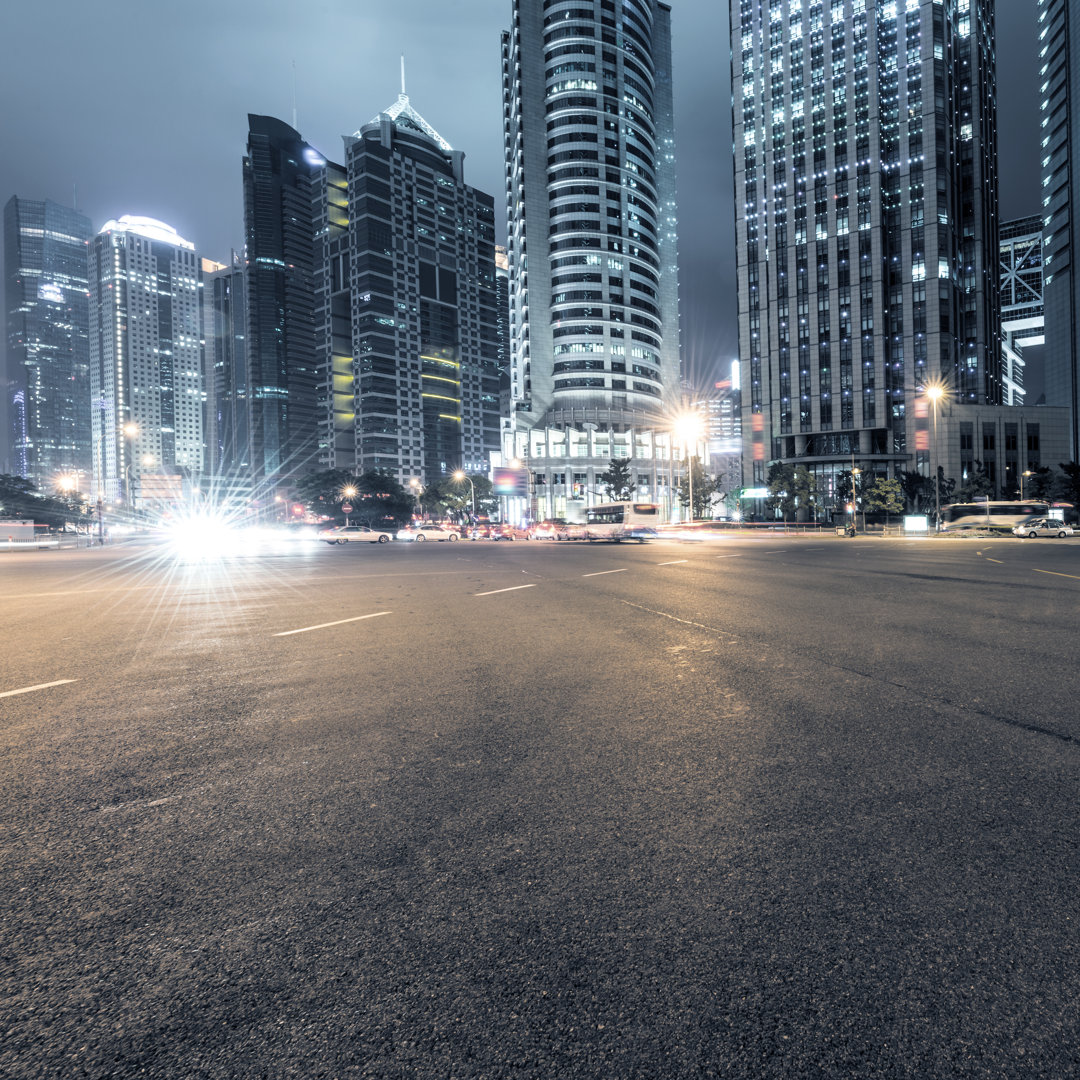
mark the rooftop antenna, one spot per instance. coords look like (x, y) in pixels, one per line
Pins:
(294, 95)
(403, 94)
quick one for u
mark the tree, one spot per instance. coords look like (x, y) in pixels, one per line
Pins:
(618, 480)
(1068, 484)
(321, 492)
(781, 487)
(20, 498)
(1039, 485)
(978, 486)
(916, 488)
(705, 489)
(946, 485)
(379, 498)
(885, 494)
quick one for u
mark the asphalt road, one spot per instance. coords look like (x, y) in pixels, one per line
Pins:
(744, 808)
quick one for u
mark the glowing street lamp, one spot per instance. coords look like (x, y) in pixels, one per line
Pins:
(934, 392)
(460, 475)
(348, 492)
(417, 488)
(688, 429)
(1026, 472)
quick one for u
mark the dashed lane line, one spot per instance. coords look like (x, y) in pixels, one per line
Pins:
(599, 573)
(512, 588)
(337, 622)
(674, 562)
(729, 556)
(40, 686)
(1055, 573)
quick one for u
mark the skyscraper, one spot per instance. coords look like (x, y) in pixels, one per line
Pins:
(407, 264)
(146, 380)
(284, 375)
(228, 443)
(866, 195)
(1022, 321)
(1059, 77)
(47, 377)
(590, 170)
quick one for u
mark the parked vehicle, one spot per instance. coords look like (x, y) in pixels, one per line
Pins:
(345, 534)
(1043, 527)
(420, 533)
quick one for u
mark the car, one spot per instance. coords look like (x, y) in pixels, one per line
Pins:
(345, 534)
(509, 532)
(420, 533)
(1043, 527)
(547, 530)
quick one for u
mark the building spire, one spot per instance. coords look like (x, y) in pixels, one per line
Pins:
(403, 94)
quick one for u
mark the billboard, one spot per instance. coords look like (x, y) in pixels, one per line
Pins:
(510, 481)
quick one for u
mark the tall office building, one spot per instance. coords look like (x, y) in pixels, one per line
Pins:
(406, 302)
(1059, 86)
(146, 381)
(867, 243)
(284, 376)
(1022, 320)
(228, 443)
(47, 376)
(590, 170)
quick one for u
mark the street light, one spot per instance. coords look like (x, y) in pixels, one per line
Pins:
(131, 432)
(934, 392)
(1026, 472)
(347, 492)
(687, 428)
(417, 488)
(460, 475)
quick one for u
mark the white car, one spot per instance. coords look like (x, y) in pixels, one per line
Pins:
(1043, 527)
(345, 534)
(427, 532)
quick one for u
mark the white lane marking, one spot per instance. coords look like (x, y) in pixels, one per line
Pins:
(1055, 573)
(674, 562)
(729, 556)
(512, 588)
(338, 622)
(40, 686)
(998, 561)
(598, 573)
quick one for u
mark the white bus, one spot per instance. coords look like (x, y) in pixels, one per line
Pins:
(622, 521)
(991, 516)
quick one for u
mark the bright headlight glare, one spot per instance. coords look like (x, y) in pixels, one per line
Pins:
(203, 537)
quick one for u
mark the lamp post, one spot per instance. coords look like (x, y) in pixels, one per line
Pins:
(460, 475)
(131, 432)
(688, 429)
(417, 488)
(934, 392)
(347, 493)
(1026, 472)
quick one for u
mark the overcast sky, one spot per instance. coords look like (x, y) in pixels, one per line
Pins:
(141, 107)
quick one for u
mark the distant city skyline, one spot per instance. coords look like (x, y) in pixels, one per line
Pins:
(174, 151)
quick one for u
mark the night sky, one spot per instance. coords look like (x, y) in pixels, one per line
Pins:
(140, 107)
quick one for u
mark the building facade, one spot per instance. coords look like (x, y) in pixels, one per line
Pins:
(284, 377)
(591, 222)
(866, 195)
(146, 381)
(1022, 319)
(47, 374)
(407, 319)
(228, 437)
(1059, 76)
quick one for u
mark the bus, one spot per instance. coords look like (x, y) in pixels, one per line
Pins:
(991, 516)
(622, 521)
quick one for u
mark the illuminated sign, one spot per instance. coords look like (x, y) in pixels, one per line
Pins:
(508, 481)
(48, 291)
